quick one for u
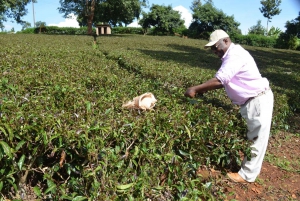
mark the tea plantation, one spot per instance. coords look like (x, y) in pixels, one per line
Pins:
(65, 136)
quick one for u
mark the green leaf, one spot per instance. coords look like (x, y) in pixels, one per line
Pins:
(19, 145)
(158, 188)
(51, 188)
(10, 133)
(65, 197)
(6, 149)
(21, 162)
(79, 198)
(188, 131)
(37, 191)
(1, 185)
(45, 138)
(124, 187)
(183, 153)
(3, 131)
(88, 106)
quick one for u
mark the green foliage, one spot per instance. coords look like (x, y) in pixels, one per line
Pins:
(127, 30)
(293, 27)
(13, 9)
(114, 12)
(293, 43)
(257, 29)
(275, 32)
(27, 31)
(40, 24)
(64, 132)
(207, 18)
(118, 12)
(269, 9)
(57, 30)
(163, 19)
(195, 5)
(26, 25)
(287, 39)
(255, 40)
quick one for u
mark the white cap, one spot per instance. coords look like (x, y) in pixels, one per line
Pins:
(216, 36)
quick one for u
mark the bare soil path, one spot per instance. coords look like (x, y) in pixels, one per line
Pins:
(280, 175)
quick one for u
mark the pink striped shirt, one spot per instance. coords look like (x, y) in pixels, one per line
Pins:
(240, 76)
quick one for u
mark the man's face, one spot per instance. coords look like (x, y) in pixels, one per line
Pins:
(218, 48)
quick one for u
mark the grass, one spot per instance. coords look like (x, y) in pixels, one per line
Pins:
(65, 134)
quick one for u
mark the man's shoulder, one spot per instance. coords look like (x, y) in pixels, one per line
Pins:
(236, 49)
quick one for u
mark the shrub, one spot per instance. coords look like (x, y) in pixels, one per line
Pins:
(64, 132)
(127, 30)
(293, 43)
(27, 31)
(57, 30)
(254, 40)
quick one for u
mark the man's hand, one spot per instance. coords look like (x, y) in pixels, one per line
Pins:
(190, 92)
(211, 84)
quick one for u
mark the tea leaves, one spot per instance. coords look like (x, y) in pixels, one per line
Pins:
(64, 133)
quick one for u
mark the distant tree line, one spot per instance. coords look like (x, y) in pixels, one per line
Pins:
(162, 19)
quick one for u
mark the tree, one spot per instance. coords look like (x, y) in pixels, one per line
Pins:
(90, 12)
(293, 27)
(289, 38)
(163, 18)
(40, 24)
(85, 9)
(13, 9)
(207, 18)
(257, 29)
(275, 32)
(269, 9)
(2, 27)
(26, 25)
(195, 5)
(119, 12)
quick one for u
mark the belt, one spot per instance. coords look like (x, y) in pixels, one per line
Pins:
(260, 94)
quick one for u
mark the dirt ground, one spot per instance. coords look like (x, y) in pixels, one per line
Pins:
(280, 176)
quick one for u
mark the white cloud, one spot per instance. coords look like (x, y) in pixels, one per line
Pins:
(185, 15)
(69, 22)
(134, 24)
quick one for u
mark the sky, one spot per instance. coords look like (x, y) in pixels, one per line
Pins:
(246, 12)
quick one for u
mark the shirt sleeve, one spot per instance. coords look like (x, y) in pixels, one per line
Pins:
(230, 67)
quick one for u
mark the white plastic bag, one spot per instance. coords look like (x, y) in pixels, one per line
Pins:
(145, 101)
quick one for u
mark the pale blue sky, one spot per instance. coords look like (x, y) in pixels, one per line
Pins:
(245, 11)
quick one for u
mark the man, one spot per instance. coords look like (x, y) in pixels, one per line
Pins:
(246, 87)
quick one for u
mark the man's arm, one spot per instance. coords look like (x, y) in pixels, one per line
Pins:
(211, 84)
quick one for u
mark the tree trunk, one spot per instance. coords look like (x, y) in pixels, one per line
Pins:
(267, 26)
(90, 9)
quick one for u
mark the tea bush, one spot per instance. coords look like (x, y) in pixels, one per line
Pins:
(65, 136)
(255, 40)
(127, 30)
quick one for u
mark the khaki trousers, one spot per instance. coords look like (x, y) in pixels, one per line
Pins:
(258, 115)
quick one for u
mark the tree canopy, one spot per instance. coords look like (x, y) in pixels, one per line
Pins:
(90, 12)
(269, 9)
(14, 9)
(40, 24)
(291, 37)
(207, 18)
(293, 27)
(257, 29)
(163, 18)
(117, 12)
